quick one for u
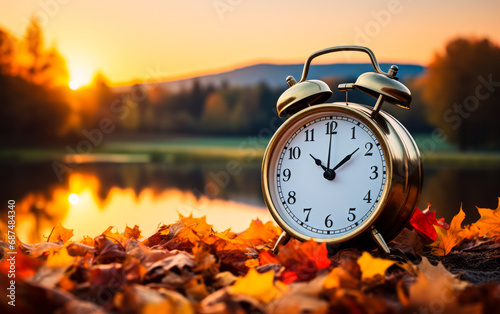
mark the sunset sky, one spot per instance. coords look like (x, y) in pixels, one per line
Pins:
(162, 40)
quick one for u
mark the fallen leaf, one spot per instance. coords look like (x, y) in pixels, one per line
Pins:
(372, 266)
(259, 286)
(448, 239)
(489, 223)
(132, 233)
(302, 260)
(59, 233)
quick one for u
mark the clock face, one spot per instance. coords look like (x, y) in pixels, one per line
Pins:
(326, 175)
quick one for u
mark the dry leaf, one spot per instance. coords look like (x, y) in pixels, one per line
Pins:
(448, 239)
(259, 286)
(60, 234)
(372, 266)
(489, 223)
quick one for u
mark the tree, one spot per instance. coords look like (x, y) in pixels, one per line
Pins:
(461, 90)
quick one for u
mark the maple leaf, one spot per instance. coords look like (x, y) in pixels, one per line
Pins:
(108, 251)
(434, 285)
(302, 260)
(489, 223)
(198, 225)
(59, 233)
(258, 232)
(447, 239)
(259, 286)
(423, 222)
(132, 233)
(372, 266)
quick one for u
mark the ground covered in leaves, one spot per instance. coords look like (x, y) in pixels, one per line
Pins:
(187, 267)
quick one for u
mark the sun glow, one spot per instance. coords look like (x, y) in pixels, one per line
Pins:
(80, 74)
(74, 85)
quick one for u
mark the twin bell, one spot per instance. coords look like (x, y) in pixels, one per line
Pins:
(385, 87)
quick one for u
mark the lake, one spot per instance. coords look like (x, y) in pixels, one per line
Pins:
(149, 189)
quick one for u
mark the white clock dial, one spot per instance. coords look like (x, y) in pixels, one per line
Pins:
(327, 175)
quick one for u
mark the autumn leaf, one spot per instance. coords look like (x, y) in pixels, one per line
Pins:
(259, 286)
(347, 275)
(489, 223)
(132, 233)
(448, 239)
(302, 260)
(258, 232)
(372, 266)
(59, 233)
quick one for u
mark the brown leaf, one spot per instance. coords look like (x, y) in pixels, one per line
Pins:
(132, 233)
(108, 251)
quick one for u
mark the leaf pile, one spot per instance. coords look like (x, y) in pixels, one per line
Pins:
(187, 267)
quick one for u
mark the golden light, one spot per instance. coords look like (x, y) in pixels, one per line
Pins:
(81, 72)
(73, 198)
(74, 85)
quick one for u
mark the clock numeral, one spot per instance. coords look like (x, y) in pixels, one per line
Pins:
(310, 135)
(369, 147)
(331, 127)
(328, 221)
(308, 210)
(351, 216)
(294, 152)
(353, 137)
(374, 172)
(368, 197)
(286, 175)
(291, 197)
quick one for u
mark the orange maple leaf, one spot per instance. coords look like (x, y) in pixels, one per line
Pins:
(259, 231)
(489, 223)
(59, 233)
(448, 239)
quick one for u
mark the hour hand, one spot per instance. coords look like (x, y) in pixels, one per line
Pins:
(318, 162)
(343, 161)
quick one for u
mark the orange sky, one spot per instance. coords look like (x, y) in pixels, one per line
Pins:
(158, 40)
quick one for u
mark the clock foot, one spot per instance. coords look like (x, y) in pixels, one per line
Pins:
(282, 240)
(377, 237)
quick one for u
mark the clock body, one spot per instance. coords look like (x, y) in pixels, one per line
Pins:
(336, 173)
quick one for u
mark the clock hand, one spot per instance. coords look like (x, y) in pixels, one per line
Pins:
(318, 162)
(329, 152)
(343, 161)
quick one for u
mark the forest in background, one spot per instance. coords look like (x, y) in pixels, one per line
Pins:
(456, 100)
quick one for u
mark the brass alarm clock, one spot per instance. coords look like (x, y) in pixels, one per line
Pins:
(342, 173)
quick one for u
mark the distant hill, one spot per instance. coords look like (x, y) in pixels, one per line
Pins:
(275, 74)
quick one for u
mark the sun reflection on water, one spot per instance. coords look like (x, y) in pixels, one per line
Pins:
(78, 207)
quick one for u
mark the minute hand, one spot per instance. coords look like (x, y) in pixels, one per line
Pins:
(343, 161)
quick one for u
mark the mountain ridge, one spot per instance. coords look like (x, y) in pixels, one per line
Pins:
(275, 75)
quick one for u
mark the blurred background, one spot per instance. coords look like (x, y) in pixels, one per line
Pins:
(119, 113)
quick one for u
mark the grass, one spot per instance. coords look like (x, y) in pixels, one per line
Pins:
(248, 149)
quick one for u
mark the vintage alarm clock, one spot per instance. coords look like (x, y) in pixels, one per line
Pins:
(342, 173)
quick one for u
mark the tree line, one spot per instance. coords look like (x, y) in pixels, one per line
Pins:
(457, 99)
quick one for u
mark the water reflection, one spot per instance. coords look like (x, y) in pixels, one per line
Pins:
(148, 194)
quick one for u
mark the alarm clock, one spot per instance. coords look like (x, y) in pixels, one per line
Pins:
(343, 173)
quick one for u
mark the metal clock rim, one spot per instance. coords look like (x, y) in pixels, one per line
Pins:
(271, 148)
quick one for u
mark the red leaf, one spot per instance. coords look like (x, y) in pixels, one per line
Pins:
(423, 221)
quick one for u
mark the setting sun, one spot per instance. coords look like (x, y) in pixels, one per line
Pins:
(74, 85)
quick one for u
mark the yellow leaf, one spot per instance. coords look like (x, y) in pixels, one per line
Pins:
(489, 223)
(58, 258)
(259, 286)
(59, 233)
(448, 239)
(372, 266)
